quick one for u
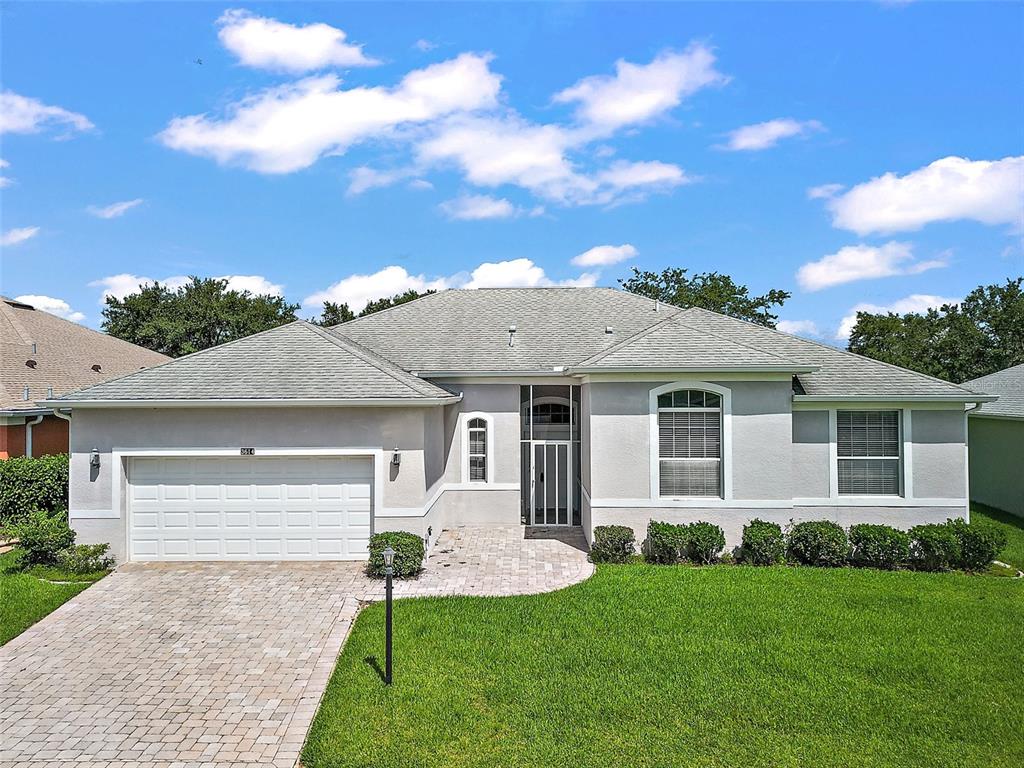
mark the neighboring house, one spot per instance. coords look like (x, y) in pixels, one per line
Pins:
(538, 407)
(996, 437)
(43, 356)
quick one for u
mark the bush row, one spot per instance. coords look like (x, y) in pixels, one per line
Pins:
(44, 538)
(953, 545)
(29, 484)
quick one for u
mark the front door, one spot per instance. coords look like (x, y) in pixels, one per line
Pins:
(550, 483)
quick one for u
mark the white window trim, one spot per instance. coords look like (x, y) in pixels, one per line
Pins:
(464, 431)
(906, 453)
(726, 459)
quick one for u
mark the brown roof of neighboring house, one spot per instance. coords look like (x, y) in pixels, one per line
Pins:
(64, 356)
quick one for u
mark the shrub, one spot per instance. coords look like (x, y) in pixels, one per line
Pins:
(28, 484)
(879, 546)
(666, 542)
(934, 547)
(408, 553)
(705, 541)
(762, 543)
(980, 543)
(820, 542)
(40, 536)
(612, 544)
(85, 558)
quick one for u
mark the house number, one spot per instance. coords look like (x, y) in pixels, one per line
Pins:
(248, 451)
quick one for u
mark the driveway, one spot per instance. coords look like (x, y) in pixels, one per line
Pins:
(218, 664)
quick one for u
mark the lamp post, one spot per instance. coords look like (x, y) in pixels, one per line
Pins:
(389, 559)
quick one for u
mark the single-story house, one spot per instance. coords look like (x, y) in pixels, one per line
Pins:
(534, 407)
(996, 439)
(44, 356)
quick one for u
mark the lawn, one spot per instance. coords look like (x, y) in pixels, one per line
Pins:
(1014, 527)
(677, 666)
(25, 599)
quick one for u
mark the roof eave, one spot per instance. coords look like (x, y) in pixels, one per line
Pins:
(697, 369)
(286, 402)
(966, 397)
(986, 415)
(560, 371)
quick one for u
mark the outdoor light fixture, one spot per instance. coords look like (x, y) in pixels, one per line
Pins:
(389, 560)
(94, 458)
(396, 458)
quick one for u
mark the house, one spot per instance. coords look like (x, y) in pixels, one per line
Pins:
(535, 407)
(996, 438)
(44, 356)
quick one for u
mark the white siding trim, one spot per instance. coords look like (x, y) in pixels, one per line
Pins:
(436, 496)
(464, 419)
(907, 425)
(693, 503)
(876, 501)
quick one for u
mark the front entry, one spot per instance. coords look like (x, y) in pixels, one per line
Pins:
(551, 483)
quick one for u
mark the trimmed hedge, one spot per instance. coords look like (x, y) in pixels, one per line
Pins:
(28, 484)
(666, 543)
(878, 546)
(819, 542)
(980, 544)
(763, 543)
(408, 553)
(41, 536)
(705, 542)
(934, 547)
(613, 544)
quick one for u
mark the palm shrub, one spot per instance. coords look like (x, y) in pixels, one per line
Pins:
(704, 542)
(762, 543)
(409, 553)
(41, 536)
(818, 542)
(612, 544)
(666, 542)
(878, 546)
(934, 547)
(980, 543)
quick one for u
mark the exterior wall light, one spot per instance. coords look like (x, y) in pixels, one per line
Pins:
(94, 458)
(396, 458)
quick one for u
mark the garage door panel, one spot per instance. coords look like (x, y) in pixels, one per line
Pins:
(212, 508)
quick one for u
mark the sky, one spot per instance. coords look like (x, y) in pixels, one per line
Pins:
(861, 156)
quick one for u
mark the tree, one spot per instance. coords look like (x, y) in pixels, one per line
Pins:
(393, 301)
(708, 290)
(340, 313)
(200, 314)
(982, 334)
(334, 314)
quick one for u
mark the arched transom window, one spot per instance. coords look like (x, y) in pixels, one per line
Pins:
(477, 429)
(690, 443)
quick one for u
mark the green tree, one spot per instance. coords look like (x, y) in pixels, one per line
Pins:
(708, 290)
(200, 314)
(334, 314)
(982, 334)
(393, 301)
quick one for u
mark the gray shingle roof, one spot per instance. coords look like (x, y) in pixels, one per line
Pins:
(298, 361)
(1008, 385)
(64, 356)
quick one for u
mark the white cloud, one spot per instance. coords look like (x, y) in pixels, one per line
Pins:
(22, 114)
(424, 45)
(863, 262)
(364, 178)
(950, 189)
(799, 327)
(918, 303)
(768, 134)
(5, 181)
(289, 127)
(115, 209)
(126, 283)
(604, 255)
(267, 43)
(57, 307)
(420, 184)
(18, 235)
(824, 191)
(257, 285)
(477, 207)
(652, 174)
(640, 92)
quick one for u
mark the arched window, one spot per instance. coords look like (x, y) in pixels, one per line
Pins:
(689, 443)
(477, 450)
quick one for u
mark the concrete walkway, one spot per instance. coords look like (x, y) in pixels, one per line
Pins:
(198, 665)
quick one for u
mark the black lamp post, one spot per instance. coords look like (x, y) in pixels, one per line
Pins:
(389, 559)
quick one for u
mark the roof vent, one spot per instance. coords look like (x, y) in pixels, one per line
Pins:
(24, 393)
(33, 347)
(511, 335)
(97, 367)
(49, 393)
(656, 303)
(30, 363)
(609, 329)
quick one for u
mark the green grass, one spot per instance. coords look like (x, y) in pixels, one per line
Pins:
(25, 598)
(1014, 527)
(676, 666)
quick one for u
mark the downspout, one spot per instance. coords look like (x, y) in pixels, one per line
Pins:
(967, 461)
(28, 433)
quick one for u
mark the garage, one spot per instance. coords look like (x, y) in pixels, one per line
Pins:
(249, 508)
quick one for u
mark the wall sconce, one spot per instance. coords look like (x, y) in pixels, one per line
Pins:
(396, 458)
(94, 458)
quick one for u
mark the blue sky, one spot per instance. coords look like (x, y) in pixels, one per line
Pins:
(855, 154)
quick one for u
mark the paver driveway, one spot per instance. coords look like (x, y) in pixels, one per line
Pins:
(223, 664)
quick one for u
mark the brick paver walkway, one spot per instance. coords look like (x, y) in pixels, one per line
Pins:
(198, 665)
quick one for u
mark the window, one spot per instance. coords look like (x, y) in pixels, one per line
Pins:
(868, 450)
(477, 448)
(690, 443)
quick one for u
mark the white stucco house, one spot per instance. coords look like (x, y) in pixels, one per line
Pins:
(996, 438)
(533, 407)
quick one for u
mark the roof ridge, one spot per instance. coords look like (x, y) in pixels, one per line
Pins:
(624, 343)
(1000, 372)
(12, 318)
(830, 348)
(371, 358)
(392, 307)
(737, 343)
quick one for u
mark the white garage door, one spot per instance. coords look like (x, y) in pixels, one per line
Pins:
(295, 508)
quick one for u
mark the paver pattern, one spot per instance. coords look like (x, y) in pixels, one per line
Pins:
(208, 665)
